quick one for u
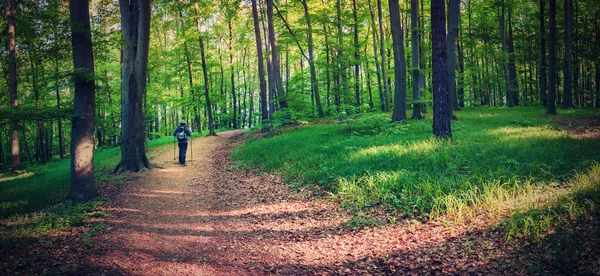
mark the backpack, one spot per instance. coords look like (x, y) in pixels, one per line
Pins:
(181, 134)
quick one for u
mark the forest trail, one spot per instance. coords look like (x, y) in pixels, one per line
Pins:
(206, 219)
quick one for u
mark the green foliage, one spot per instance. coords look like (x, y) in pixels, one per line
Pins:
(495, 155)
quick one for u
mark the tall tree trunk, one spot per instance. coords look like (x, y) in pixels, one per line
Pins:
(399, 63)
(10, 10)
(135, 26)
(311, 61)
(327, 66)
(543, 79)
(211, 120)
(461, 77)
(82, 135)
(261, 66)
(441, 108)
(275, 57)
(568, 83)
(509, 92)
(341, 62)
(233, 94)
(375, 56)
(415, 40)
(61, 151)
(512, 65)
(356, 57)
(453, 21)
(384, 78)
(597, 104)
(551, 106)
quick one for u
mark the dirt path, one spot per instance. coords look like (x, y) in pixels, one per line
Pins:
(205, 219)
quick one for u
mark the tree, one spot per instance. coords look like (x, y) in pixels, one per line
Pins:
(551, 106)
(386, 94)
(543, 81)
(275, 57)
(399, 63)
(441, 107)
(261, 66)
(509, 92)
(568, 82)
(311, 60)
(211, 120)
(453, 21)
(415, 39)
(82, 128)
(135, 26)
(10, 10)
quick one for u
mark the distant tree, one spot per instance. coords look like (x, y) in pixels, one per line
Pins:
(399, 63)
(416, 75)
(10, 10)
(453, 21)
(551, 106)
(386, 93)
(135, 26)
(568, 82)
(261, 66)
(441, 107)
(211, 120)
(543, 79)
(82, 130)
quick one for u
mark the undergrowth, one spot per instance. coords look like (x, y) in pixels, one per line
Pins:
(500, 161)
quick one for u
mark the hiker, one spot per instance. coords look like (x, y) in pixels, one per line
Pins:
(182, 132)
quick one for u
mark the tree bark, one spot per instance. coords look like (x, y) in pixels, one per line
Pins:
(275, 57)
(543, 79)
(10, 11)
(356, 57)
(509, 92)
(415, 40)
(399, 63)
(375, 56)
(311, 61)
(551, 106)
(135, 26)
(384, 78)
(233, 94)
(441, 107)
(82, 134)
(568, 83)
(512, 65)
(261, 66)
(209, 114)
(453, 21)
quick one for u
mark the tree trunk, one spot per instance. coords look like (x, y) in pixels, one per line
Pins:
(384, 78)
(82, 135)
(261, 66)
(551, 106)
(509, 97)
(375, 56)
(280, 93)
(233, 94)
(441, 108)
(543, 79)
(211, 120)
(399, 63)
(415, 40)
(341, 62)
(512, 65)
(568, 83)
(453, 21)
(10, 10)
(356, 57)
(135, 26)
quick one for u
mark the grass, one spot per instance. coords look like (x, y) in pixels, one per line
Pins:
(498, 161)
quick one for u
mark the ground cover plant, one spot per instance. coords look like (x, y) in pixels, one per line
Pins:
(500, 161)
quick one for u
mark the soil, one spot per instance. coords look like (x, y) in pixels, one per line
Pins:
(208, 219)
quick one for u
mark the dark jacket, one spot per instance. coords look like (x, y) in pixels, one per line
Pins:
(188, 133)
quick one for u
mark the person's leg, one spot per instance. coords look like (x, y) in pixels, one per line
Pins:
(183, 152)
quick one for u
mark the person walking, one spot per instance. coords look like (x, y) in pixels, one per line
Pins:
(182, 132)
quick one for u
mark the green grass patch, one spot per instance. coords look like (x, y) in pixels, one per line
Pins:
(495, 155)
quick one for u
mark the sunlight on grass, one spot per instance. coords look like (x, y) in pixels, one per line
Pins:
(500, 162)
(4, 178)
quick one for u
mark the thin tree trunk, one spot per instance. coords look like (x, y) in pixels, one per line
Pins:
(551, 106)
(375, 56)
(233, 94)
(311, 61)
(568, 83)
(453, 21)
(356, 57)
(399, 63)
(543, 79)
(509, 97)
(10, 10)
(415, 40)
(211, 121)
(512, 66)
(82, 131)
(384, 78)
(261, 67)
(275, 58)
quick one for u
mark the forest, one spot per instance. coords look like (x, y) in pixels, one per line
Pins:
(420, 110)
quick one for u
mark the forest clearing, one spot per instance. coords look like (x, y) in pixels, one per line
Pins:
(342, 137)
